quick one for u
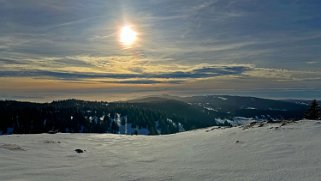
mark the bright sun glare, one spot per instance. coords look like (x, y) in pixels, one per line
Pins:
(127, 36)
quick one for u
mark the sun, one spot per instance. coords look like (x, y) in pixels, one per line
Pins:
(127, 36)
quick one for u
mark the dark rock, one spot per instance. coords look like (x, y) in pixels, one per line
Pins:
(79, 150)
(261, 125)
(253, 123)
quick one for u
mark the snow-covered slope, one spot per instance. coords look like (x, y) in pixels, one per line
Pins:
(272, 152)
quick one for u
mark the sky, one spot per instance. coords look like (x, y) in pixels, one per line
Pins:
(71, 49)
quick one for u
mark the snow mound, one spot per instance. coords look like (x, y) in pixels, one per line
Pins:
(278, 151)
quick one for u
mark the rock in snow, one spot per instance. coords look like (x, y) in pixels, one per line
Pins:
(291, 152)
(78, 150)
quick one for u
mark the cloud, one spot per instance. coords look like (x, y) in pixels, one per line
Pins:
(143, 78)
(9, 61)
(132, 70)
(206, 72)
(284, 74)
(146, 81)
(180, 42)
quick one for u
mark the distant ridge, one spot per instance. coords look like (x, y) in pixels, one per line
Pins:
(148, 115)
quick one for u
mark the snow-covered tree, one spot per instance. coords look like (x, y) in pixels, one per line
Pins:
(314, 111)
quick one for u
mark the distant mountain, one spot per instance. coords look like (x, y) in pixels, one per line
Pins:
(149, 115)
(250, 107)
(189, 115)
(229, 107)
(151, 99)
(303, 102)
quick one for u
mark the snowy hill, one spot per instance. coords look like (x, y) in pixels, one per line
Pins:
(254, 152)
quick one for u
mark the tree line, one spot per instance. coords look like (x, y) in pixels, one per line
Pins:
(75, 116)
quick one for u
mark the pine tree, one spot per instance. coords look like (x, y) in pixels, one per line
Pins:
(314, 111)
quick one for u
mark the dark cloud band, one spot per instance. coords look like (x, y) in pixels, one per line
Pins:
(203, 72)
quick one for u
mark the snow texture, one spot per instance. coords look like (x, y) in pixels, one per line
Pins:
(269, 152)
